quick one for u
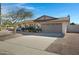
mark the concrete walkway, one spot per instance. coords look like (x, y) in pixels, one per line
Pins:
(28, 44)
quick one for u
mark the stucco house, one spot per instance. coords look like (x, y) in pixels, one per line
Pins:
(50, 24)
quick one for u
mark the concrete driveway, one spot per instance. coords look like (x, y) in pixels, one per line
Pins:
(16, 49)
(27, 44)
(37, 42)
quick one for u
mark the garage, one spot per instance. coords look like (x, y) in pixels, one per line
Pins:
(54, 27)
(51, 24)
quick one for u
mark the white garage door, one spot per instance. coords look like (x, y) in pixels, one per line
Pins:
(52, 27)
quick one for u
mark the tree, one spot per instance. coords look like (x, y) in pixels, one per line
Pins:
(72, 23)
(7, 22)
(19, 15)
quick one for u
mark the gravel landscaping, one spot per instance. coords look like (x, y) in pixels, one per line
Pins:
(69, 45)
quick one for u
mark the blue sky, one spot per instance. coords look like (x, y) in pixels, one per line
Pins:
(50, 9)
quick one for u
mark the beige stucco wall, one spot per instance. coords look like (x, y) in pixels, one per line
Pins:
(63, 24)
(73, 28)
(64, 27)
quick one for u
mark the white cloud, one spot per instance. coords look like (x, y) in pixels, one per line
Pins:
(24, 6)
(5, 8)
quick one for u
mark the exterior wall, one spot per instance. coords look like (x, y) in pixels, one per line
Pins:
(59, 25)
(64, 27)
(73, 28)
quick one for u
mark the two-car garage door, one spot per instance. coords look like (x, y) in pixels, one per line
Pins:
(55, 27)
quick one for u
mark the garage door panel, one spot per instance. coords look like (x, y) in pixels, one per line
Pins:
(52, 27)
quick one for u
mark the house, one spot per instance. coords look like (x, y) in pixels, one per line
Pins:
(50, 24)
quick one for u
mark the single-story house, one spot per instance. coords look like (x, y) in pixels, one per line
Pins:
(50, 24)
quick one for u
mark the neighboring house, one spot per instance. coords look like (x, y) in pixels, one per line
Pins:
(50, 24)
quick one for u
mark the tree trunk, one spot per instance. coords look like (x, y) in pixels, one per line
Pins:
(14, 30)
(0, 28)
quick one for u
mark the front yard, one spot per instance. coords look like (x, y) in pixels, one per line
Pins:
(67, 45)
(38, 43)
(19, 44)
